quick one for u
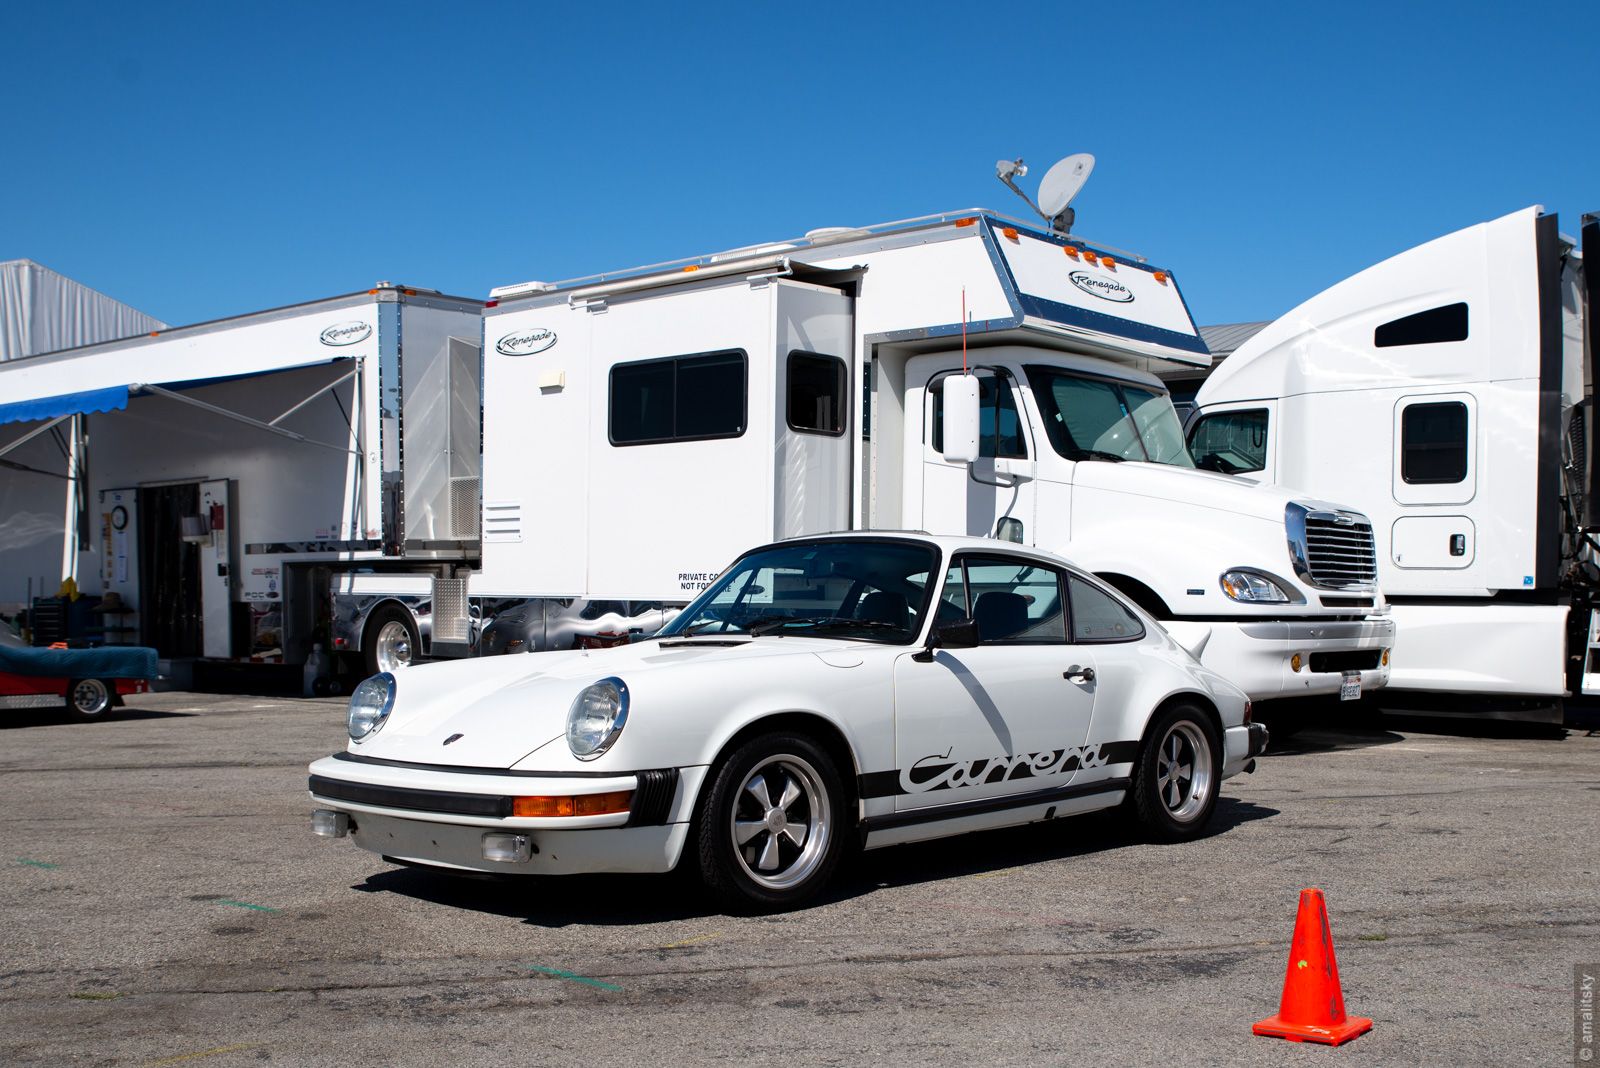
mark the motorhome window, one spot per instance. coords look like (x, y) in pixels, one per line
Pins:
(1098, 419)
(816, 393)
(1432, 327)
(681, 398)
(1099, 617)
(1230, 442)
(999, 425)
(1433, 443)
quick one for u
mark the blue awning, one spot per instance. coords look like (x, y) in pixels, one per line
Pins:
(112, 399)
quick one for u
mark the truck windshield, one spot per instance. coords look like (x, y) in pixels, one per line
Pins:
(1098, 419)
(861, 589)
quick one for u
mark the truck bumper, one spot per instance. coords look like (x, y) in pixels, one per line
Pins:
(1259, 657)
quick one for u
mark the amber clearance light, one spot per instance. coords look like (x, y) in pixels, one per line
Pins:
(581, 805)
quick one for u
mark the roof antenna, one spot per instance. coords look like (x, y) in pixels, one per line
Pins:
(1060, 184)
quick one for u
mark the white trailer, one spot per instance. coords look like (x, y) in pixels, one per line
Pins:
(252, 485)
(1446, 394)
(642, 428)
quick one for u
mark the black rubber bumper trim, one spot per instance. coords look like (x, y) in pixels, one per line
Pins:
(1259, 737)
(985, 805)
(402, 797)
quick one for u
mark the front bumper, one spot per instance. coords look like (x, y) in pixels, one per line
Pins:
(439, 817)
(1256, 656)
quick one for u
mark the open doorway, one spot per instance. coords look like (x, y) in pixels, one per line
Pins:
(169, 569)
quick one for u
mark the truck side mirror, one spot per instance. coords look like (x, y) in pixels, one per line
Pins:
(960, 419)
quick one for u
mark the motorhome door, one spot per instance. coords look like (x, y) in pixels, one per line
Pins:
(995, 494)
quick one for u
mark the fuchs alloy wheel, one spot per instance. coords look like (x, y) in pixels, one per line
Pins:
(89, 700)
(771, 825)
(391, 640)
(1177, 775)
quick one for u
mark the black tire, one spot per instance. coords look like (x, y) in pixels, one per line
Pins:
(377, 653)
(734, 873)
(1170, 807)
(89, 700)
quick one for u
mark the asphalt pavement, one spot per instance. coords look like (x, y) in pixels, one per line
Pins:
(165, 903)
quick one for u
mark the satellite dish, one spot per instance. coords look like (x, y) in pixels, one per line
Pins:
(1062, 182)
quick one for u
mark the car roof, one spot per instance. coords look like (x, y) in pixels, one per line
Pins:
(950, 543)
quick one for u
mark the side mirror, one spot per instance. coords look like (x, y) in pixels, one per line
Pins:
(960, 419)
(962, 634)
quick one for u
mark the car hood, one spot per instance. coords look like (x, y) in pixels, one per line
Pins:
(1187, 485)
(493, 712)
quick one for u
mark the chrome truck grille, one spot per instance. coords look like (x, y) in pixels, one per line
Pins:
(1331, 548)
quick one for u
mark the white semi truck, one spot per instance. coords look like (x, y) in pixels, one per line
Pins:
(255, 485)
(1446, 393)
(642, 428)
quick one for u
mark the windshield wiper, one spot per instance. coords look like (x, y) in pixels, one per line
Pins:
(821, 623)
(1101, 454)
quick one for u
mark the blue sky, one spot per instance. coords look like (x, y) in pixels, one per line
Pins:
(198, 161)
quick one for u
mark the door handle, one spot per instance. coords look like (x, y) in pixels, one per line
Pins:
(1079, 674)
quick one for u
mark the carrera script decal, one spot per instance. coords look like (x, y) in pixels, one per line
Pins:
(525, 342)
(936, 772)
(1097, 286)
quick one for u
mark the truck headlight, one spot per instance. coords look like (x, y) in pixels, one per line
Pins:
(597, 717)
(1257, 587)
(370, 705)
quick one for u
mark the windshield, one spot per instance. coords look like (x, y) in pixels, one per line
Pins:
(860, 589)
(1097, 419)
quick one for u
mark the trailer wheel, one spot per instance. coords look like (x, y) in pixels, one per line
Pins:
(390, 641)
(88, 700)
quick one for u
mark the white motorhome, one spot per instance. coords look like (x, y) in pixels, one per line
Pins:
(642, 428)
(1445, 393)
(250, 485)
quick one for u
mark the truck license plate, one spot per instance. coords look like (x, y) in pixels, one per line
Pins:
(1350, 686)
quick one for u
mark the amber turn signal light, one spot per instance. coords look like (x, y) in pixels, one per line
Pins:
(581, 805)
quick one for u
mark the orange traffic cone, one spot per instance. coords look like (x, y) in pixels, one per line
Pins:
(1312, 1009)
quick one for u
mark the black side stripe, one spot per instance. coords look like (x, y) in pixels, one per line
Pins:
(984, 805)
(874, 784)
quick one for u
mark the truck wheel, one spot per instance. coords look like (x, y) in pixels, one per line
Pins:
(88, 700)
(769, 828)
(390, 641)
(1177, 775)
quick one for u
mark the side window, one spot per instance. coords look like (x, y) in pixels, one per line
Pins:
(999, 424)
(1231, 442)
(681, 398)
(1099, 617)
(1015, 602)
(1432, 327)
(1433, 443)
(816, 393)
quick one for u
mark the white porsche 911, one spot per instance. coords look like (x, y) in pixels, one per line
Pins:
(824, 694)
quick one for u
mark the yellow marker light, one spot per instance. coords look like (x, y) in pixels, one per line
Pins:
(1108, 263)
(691, 267)
(581, 805)
(1090, 257)
(969, 221)
(1161, 276)
(1294, 662)
(1386, 658)
(1071, 250)
(1010, 232)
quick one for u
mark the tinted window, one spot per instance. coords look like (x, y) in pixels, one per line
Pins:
(1094, 419)
(1433, 443)
(1430, 327)
(999, 425)
(1099, 617)
(679, 399)
(1231, 442)
(1013, 601)
(816, 393)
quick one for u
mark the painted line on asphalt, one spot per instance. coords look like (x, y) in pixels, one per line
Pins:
(197, 1054)
(37, 863)
(559, 974)
(690, 941)
(245, 905)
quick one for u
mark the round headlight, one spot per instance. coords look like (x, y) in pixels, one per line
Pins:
(370, 705)
(597, 716)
